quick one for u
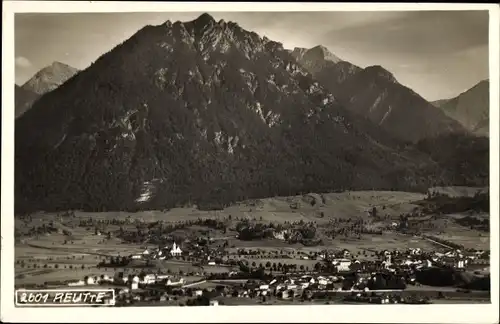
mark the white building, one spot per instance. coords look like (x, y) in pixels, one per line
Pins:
(149, 279)
(175, 251)
(161, 277)
(342, 264)
(134, 285)
(174, 282)
(322, 281)
(89, 280)
(279, 235)
(76, 283)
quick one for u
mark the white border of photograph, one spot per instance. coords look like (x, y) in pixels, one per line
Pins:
(486, 313)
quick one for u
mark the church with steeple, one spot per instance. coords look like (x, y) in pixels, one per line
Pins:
(176, 250)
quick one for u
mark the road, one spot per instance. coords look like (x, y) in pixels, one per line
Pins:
(436, 242)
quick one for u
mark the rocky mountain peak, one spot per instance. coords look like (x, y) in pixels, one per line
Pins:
(50, 77)
(204, 19)
(320, 52)
(298, 52)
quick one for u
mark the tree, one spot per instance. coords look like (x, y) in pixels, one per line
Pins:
(268, 264)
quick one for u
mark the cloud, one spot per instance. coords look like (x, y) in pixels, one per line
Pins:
(22, 62)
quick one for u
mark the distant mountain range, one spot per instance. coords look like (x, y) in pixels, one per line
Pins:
(374, 92)
(206, 112)
(470, 108)
(45, 80)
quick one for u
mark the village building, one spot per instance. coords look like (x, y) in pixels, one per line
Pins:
(89, 280)
(134, 285)
(135, 256)
(148, 279)
(76, 283)
(322, 281)
(280, 235)
(174, 282)
(342, 264)
(176, 250)
(162, 277)
(264, 287)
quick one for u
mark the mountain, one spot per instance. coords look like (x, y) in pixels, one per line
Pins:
(200, 112)
(316, 58)
(49, 78)
(23, 99)
(374, 92)
(325, 66)
(471, 108)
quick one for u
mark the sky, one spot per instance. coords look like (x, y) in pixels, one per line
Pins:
(438, 54)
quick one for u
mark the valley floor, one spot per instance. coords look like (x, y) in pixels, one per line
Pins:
(73, 248)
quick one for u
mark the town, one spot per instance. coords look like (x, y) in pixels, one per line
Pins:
(229, 260)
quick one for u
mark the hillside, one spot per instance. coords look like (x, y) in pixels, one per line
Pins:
(465, 157)
(471, 108)
(199, 112)
(375, 93)
(49, 78)
(23, 99)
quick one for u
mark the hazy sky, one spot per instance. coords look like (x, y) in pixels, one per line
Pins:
(439, 54)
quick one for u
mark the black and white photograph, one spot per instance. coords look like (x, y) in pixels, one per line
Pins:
(290, 158)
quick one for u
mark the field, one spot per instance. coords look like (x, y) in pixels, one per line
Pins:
(342, 205)
(74, 250)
